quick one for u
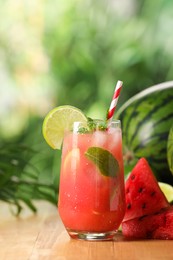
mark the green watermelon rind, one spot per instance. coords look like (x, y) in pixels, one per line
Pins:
(146, 119)
(170, 149)
(144, 93)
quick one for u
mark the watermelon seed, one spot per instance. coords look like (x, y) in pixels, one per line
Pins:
(144, 205)
(128, 206)
(149, 234)
(132, 177)
(165, 219)
(142, 217)
(153, 193)
(161, 210)
(127, 190)
(140, 190)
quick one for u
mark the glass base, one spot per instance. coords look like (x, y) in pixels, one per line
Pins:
(91, 236)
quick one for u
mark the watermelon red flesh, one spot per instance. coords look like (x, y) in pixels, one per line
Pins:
(143, 194)
(156, 226)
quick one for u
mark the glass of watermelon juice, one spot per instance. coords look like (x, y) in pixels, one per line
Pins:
(91, 191)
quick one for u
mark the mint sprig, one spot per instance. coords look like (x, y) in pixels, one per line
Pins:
(96, 125)
(92, 126)
(104, 160)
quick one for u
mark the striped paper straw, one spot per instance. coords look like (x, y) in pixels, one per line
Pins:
(114, 101)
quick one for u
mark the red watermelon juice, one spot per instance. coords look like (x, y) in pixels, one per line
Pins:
(91, 192)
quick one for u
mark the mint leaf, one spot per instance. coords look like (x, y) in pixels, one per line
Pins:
(83, 130)
(104, 160)
(93, 125)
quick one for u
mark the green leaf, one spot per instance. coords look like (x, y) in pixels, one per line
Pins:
(93, 125)
(21, 179)
(104, 160)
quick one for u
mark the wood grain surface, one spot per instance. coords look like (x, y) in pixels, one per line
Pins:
(43, 236)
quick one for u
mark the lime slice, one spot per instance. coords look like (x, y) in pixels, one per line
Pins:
(167, 190)
(72, 159)
(58, 121)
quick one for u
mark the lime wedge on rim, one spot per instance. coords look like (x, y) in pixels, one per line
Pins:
(58, 121)
(167, 189)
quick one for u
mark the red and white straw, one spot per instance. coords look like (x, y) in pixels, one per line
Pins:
(114, 101)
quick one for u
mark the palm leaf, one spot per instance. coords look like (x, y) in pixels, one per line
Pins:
(18, 186)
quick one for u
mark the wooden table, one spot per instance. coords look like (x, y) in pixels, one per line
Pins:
(42, 236)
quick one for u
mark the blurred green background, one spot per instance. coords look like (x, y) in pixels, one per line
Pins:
(70, 52)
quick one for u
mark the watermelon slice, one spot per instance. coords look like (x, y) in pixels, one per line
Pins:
(156, 226)
(143, 194)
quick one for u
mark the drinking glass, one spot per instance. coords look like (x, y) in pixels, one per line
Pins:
(91, 190)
